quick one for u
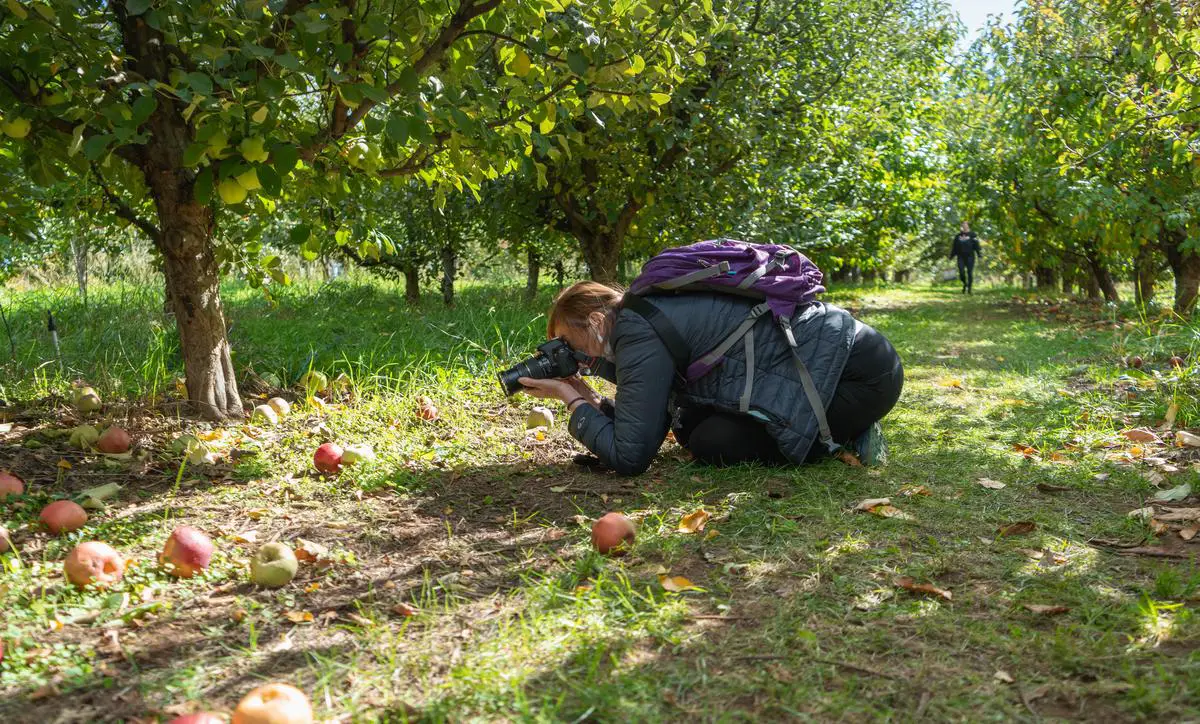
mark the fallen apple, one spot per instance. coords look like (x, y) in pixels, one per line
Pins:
(5, 540)
(84, 437)
(1176, 361)
(264, 415)
(426, 410)
(274, 565)
(314, 382)
(114, 441)
(539, 417)
(1135, 362)
(355, 454)
(63, 516)
(86, 400)
(274, 704)
(203, 717)
(10, 484)
(94, 562)
(186, 552)
(280, 406)
(328, 458)
(613, 534)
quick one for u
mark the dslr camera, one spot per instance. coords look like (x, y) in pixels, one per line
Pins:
(554, 359)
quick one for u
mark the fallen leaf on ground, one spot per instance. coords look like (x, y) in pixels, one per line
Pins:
(990, 484)
(1019, 528)
(911, 490)
(1025, 450)
(848, 458)
(1145, 513)
(1189, 532)
(256, 513)
(1184, 438)
(298, 616)
(559, 489)
(314, 586)
(1045, 610)
(246, 536)
(676, 583)
(909, 584)
(310, 552)
(1173, 495)
(869, 503)
(1172, 412)
(1140, 434)
(1158, 527)
(695, 521)
(890, 511)
(1003, 676)
(954, 383)
(403, 609)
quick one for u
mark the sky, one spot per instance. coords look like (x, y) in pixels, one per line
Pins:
(973, 13)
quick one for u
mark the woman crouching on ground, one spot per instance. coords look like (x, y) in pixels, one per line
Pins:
(720, 418)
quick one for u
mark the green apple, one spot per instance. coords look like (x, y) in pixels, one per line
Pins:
(252, 149)
(249, 180)
(16, 127)
(314, 382)
(539, 417)
(274, 565)
(231, 191)
(354, 454)
(86, 399)
(264, 415)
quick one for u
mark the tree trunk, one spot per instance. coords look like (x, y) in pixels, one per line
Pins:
(1145, 269)
(1093, 287)
(1068, 283)
(194, 289)
(560, 274)
(1045, 277)
(602, 252)
(1101, 274)
(449, 271)
(412, 284)
(79, 255)
(533, 273)
(1185, 265)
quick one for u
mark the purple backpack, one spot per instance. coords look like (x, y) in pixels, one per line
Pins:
(783, 278)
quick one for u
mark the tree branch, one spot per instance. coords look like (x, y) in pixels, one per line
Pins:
(123, 210)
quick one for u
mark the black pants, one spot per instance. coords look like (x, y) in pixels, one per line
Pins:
(869, 387)
(966, 271)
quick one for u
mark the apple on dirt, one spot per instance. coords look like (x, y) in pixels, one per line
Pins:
(186, 552)
(63, 516)
(86, 400)
(273, 566)
(612, 534)
(10, 484)
(274, 704)
(328, 458)
(114, 441)
(94, 562)
(84, 436)
(539, 417)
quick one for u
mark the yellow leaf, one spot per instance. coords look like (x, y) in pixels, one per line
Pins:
(520, 64)
(247, 536)
(695, 521)
(712, 533)
(256, 513)
(676, 583)
(870, 503)
(951, 382)
(312, 587)
(64, 464)
(298, 616)
(911, 490)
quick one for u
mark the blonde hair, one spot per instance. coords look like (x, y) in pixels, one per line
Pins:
(575, 304)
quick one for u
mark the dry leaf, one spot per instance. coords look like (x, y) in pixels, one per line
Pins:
(403, 609)
(256, 513)
(712, 533)
(314, 586)
(848, 458)
(911, 490)
(695, 521)
(909, 584)
(1189, 532)
(1141, 434)
(890, 511)
(1019, 528)
(990, 484)
(246, 536)
(1003, 676)
(64, 464)
(869, 503)
(676, 583)
(1172, 413)
(310, 552)
(1025, 450)
(1184, 438)
(298, 616)
(1044, 610)
(1158, 527)
(952, 382)
(1145, 513)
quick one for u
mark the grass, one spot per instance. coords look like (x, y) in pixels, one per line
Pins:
(481, 530)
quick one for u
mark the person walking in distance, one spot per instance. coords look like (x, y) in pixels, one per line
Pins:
(964, 249)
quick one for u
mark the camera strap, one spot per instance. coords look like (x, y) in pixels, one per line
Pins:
(679, 349)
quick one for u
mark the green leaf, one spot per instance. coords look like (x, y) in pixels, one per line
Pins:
(408, 80)
(269, 178)
(204, 187)
(636, 65)
(143, 108)
(289, 61)
(1162, 62)
(200, 83)
(660, 99)
(194, 154)
(260, 115)
(300, 233)
(137, 7)
(284, 157)
(397, 129)
(310, 249)
(95, 146)
(577, 62)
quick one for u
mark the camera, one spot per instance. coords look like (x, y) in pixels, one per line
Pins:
(554, 359)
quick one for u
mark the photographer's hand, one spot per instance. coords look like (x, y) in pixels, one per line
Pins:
(551, 389)
(584, 390)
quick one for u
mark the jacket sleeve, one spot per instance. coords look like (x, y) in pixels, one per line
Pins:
(975, 246)
(628, 441)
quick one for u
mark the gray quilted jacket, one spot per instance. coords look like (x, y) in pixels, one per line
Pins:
(628, 436)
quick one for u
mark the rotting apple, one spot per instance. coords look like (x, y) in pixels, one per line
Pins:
(273, 566)
(274, 704)
(63, 516)
(187, 551)
(94, 562)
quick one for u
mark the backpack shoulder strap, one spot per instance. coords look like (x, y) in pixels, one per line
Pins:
(666, 331)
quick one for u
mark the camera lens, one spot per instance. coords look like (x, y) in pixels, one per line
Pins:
(538, 368)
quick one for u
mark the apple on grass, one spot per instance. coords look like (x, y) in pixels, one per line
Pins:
(94, 562)
(274, 704)
(264, 415)
(273, 566)
(328, 458)
(355, 454)
(612, 534)
(186, 552)
(63, 516)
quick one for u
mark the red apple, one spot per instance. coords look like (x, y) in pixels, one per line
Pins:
(63, 516)
(612, 534)
(94, 562)
(328, 458)
(1136, 362)
(203, 717)
(186, 552)
(274, 704)
(1176, 361)
(10, 484)
(426, 410)
(114, 441)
